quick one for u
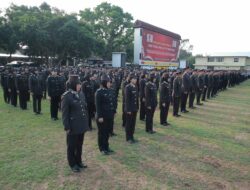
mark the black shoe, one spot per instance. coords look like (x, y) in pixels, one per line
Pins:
(75, 169)
(135, 141)
(200, 104)
(142, 119)
(130, 141)
(105, 153)
(82, 165)
(113, 134)
(165, 124)
(178, 115)
(111, 151)
(152, 132)
(192, 107)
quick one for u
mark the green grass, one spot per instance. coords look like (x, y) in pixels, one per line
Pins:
(208, 148)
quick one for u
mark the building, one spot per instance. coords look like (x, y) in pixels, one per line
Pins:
(224, 61)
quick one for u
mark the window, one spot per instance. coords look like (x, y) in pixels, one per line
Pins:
(210, 59)
(236, 59)
(220, 59)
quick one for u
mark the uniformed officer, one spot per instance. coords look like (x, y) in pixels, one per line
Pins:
(185, 90)
(204, 92)
(75, 121)
(4, 84)
(131, 108)
(192, 90)
(164, 99)
(150, 102)
(88, 90)
(124, 84)
(113, 94)
(54, 93)
(142, 85)
(37, 88)
(210, 84)
(12, 88)
(176, 94)
(200, 86)
(22, 86)
(104, 115)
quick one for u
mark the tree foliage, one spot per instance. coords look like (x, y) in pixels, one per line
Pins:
(46, 31)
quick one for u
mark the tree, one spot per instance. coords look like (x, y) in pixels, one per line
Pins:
(112, 27)
(186, 52)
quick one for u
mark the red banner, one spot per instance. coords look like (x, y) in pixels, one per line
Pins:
(157, 47)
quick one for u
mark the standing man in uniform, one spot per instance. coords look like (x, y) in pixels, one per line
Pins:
(12, 88)
(75, 121)
(200, 85)
(150, 102)
(54, 93)
(131, 108)
(124, 84)
(104, 115)
(185, 90)
(113, 94)
(4, 84)
(37, 89)
(142, 85)
(22, 86)
(88, 90)
(192, 90)
(204, 92)
(176, 94)
(164, 99)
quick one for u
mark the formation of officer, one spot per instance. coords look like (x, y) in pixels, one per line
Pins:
(93, 93)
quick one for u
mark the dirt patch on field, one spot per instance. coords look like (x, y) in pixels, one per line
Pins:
(211, 161)
(219, 185)
(242, 136)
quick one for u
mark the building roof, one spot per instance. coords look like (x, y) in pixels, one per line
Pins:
(229, 54)
(141, 24)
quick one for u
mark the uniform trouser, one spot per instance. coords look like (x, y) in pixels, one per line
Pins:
(123, 115)
(164, 112)
(130, 125)
(103, 133)
(45, 94)
(13, 98)
(23, 97)
(74, 148)
(204, 93)
(191, 99)
(142, 109)
(111, 129)
(209, 92)
(37, 102)
(176, 105)
(149, 119)
(198, 97)
(184, 98)
(91, 110)
(6, 95)
(54, 105)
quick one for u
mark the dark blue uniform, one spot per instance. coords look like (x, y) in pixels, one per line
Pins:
(75, 121)
(131, 108)
(104, 110)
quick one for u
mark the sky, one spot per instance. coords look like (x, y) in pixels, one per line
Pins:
(210, 25)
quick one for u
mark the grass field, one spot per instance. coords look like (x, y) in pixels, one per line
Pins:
(207, 148)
